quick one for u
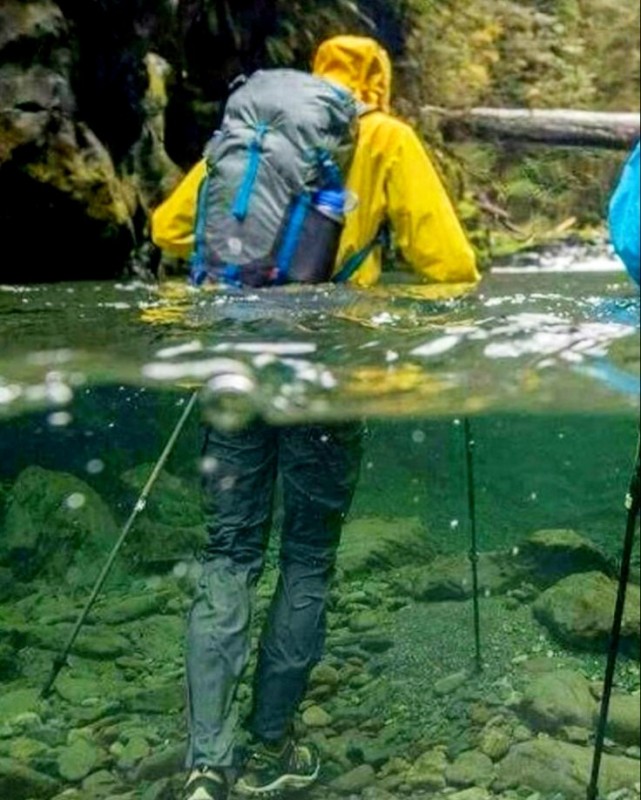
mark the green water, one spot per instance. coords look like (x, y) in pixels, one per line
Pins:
(543, 359)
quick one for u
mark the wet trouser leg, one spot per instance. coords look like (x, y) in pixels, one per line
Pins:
(320, 468)
(239, 486)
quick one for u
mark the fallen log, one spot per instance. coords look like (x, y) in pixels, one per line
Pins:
(560, 127)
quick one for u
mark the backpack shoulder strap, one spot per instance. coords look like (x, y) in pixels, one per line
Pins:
(355, 262)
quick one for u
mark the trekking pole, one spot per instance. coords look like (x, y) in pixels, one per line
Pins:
(61, 661)
(633, 505)
(474, 551)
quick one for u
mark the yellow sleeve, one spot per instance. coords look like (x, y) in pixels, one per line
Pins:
(172, 223)
(425, 223)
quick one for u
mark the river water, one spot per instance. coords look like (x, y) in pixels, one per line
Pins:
(542, 360)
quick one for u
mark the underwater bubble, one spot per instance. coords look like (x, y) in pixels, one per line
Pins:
(457, 423)
(391, 357)
(370, 465)
(419, 437)
(454, 524)
(516, 551)
(95, 466)
(60, 419)
(534, 496)
(59, 393)
(209, 465)
(75, 501)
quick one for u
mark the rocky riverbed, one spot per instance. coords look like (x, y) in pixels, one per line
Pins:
(396, 707)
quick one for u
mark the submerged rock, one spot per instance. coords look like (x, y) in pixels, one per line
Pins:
(78, 760)
(547, 765)
(625, 720)
(163, 764)
(378, 544)
(130, 609)
(559, 699)
(547, 556)
(580, 610)
(450, 578)
(14, 703)
(428, 772)
(18, 782)
(54, 522)
(471, 769)
(172, 527)
(355, 781)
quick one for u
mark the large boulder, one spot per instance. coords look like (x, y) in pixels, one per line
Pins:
(380, 544)
(58, 179)
(21, 783)
(55, 522)
(171, 528)
(579, 610)
(625, 720)
(548, 556)
(560, 699)
(450, 577)
(70, 174)
(546, 765)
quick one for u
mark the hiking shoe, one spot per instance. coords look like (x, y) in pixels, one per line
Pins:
(206, 784)
(271, 770)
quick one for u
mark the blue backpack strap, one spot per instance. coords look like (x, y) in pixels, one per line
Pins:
(356, 261)
(287, 252)
(198, 261)
(241, 204)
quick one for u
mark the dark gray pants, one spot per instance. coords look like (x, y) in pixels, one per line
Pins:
(319, 467)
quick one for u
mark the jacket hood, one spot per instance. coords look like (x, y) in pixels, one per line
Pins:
(359, 64)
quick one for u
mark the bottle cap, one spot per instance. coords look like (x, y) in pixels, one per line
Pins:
(332, 200)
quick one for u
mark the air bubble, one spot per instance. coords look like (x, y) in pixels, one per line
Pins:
(75, 501)
(95, 466)
(60, 419)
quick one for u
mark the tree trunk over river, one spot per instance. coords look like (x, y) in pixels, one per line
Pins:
(613, 131)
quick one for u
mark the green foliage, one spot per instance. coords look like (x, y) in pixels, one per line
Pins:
(580, 54)
(305, 23)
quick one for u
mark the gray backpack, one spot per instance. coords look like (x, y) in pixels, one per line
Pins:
(271, 209)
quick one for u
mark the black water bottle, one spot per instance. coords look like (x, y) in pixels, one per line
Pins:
(315, 257)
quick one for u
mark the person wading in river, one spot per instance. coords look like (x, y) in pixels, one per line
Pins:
(395, 184)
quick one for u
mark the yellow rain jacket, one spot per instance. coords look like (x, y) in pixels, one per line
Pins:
(392, 177)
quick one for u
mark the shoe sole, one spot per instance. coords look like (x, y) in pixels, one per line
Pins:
(283, 784)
